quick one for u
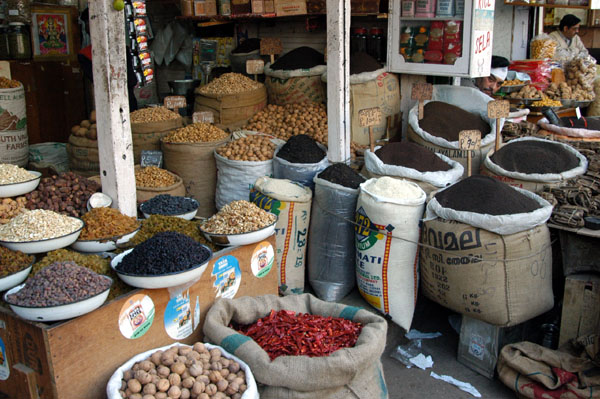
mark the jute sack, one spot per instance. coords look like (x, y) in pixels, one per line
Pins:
(349, 373)
(233, 108)
(195, 164)
(14, 141)
(296, 86)
(83, 155)
(147, 135)
(145, 193)
(291, 203)
(500, 279)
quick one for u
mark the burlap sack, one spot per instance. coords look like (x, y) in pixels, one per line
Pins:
(145, 193)
(345, 374)
(83, 155)
(296, 86)
(232, 109)
(147, 135)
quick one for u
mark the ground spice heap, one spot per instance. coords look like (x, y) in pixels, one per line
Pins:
(485, 195)
(362, 62)
(299, 58)
(342, 174)
(301, 149)
(533, 156)
(285, 333)
(13, 261)
(411, 155)
(446, 121)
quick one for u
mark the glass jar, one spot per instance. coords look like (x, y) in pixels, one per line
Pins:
(19, 43)
(376, 45)
(4, 51)
(358, 40)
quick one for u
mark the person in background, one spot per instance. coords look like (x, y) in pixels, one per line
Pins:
(567, 36)
(490, 84)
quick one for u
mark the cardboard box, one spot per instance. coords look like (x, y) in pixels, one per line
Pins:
(290, 7)
(206, 8)
(258, 6)
(581, 307)
(580, 253)
(239, 7)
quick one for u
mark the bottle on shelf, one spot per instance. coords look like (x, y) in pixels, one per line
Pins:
(376, 44)
(358, 40)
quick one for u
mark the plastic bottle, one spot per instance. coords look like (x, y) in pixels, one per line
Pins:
(376, 44)
(358, 40)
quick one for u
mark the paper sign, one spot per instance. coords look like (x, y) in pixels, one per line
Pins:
(498, 109)
(203, 117)
(151, 158)
(255, 67)
(369, 116)
(173, 102)
(270, 45)
(422, 91)
(469, 139)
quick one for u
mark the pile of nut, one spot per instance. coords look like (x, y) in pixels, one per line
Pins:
(183, 372)
(66, 193)
(87, 128)
(154, 177)
(6, 83)
(196, 133)
(580, 74)
(38, 225)
(10, 208)
(229, 83)
(238, 217)
(528, 91)
(13, 261)
(10, 174)
(152, 114)
(513, 82)
(546, 102)
(103, 223)
(542, 48)
(254, 147)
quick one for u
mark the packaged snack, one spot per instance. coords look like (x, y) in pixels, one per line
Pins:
(452, 31)
(434, 56)
(422, 37)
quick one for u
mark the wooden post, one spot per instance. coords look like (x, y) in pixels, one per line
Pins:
(469, 140)
(112, 105)
(496, 110)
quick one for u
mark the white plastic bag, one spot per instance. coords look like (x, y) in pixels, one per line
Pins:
(543, 46)
(568, 131)
(302, 173)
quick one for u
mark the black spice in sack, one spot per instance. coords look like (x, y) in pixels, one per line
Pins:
(342, 174)
(411, 155)
(535, 157)
(589, 123)
(301, 149)
(247, 46)
(300, 58)
(362, 62)
(446, 121)
(485, 195)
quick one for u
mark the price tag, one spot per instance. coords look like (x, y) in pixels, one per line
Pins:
(369, 116)
(151, 158)
(270, 46)
(498, 109)
(175, 102)
(203, 117)
(255, 67)
(469, 140)
(422, 91)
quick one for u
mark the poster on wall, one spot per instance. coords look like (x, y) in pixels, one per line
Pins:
(51, 34)
(482, 38)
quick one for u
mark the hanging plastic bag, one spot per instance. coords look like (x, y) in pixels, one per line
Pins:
(543, 46)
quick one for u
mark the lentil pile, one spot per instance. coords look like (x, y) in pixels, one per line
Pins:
(229, 83)
(152, 114)
(299, 58)
(411, 155)
(301, 149)
(185, 372)
(342, 174)
(13, 261)
(533, 156)
(10, 208)
(10, 174)
(285, 333)
(485, 195)
(165, 204)
(447, 121)
(59, 284)
(66, 193)
(103, 223)
(238, 217)
(6, 83)
(362, 62)
(196, 133)
(254, 147)
(154, 177)
(37, 225)
(165, 253)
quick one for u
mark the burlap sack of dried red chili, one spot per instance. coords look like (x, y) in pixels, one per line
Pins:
(302, 347)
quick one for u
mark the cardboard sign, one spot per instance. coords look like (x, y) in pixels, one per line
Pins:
(369, 116)
(151, 158)
(203, 117)
(498, 109)
(421, 91)
(175, 102)
(270, 45)
(255, 67)
(469, 139)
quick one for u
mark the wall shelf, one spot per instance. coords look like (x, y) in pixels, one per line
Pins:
(544, 5)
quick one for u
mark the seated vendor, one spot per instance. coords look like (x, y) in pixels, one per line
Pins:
(567, 37)
(490, 84)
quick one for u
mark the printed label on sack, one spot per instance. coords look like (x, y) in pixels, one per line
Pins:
(136, 316)
(4, 367)
(228, 276)
(178, 316)
(477, 346)
(197, 312)
(262, 259)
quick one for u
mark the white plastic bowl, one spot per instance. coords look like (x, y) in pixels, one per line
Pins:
(60, 312)
(240, 238)
(162, 280)
(103, 245)
(187, 216)
(14, 279)
(14, 189)
(46, 245)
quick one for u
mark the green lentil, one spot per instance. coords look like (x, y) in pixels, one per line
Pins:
(13, 261)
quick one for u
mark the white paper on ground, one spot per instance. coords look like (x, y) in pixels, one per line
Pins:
(422, 362)
(416, 334)
(464, 386)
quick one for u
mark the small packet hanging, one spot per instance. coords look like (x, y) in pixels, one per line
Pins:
(148, 75)
(139, 8)
(145, 59)
(142, 43)
(140, 26)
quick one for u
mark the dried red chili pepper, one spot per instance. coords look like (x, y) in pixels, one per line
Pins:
(285, 333)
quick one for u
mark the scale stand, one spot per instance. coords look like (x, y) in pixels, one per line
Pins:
(207, 68)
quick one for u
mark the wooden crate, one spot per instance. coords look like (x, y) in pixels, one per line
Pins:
(74, 359)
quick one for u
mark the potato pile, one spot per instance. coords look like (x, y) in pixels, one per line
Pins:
(183, 372)
(253, 147)
(87, 128)
(528, 91)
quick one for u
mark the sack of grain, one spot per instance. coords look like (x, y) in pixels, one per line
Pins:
(83, 155)
(302, 173)
(14, 141)
(148, 126)
(295, 86)
(145, 193)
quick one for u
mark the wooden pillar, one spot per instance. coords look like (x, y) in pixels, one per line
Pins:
(107, 29)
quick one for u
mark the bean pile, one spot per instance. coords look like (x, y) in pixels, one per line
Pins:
(59, 284)
(301, 149)
(6, 83)
(229, 83)
(10, 208)
(185, 372)
(10, 174)
(253, 147)
(155, 177)
(411, 155)
(66, 193)
(37, 225)
(165, 204)
(196, 133)
(165, 253)
(152, 114)
(532, 156)
(13, 261)
(238, 217)
(447, 120)
(342, 174)
(103, 223)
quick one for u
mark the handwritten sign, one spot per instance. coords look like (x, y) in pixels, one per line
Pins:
(498, 109)
(151, 158)
(421, 91)
(255, 67)
(270, 46)
(175, 102)
(369, 116)
(203, 117)
(469, 140)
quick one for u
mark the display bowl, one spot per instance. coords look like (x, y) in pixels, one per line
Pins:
(522, 101)
(511, 88)
(45, 245)
(162, 280)
(539, 109)
(105, 245)
(240, 238)
(187, 215)
(583, 104)
(7, 282)
(24, 187)
(59, 312)
(568, 103)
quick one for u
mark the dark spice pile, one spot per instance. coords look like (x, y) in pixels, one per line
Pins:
(13, 261)
(300, 58)
(446, 121)
(59, 284)
(165, 204)
(486, 195)
(362, 62)
(342, 174)
(285, 333)
(301, 149)
(411, 155)
(164, 253)
(247, 46)
(535, 157)
(589, 123)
